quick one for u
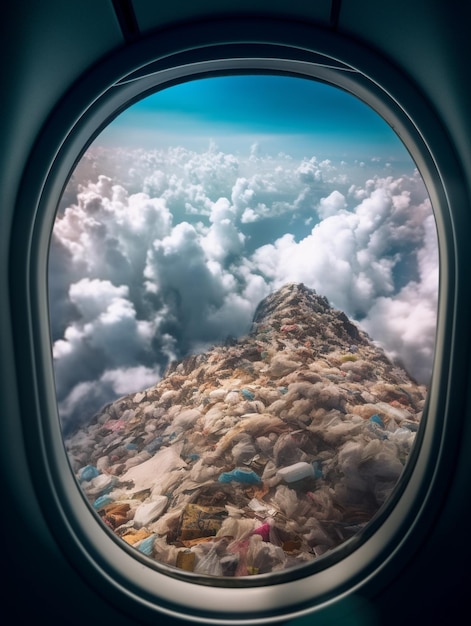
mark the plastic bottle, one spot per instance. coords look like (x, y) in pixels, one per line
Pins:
(297, 471)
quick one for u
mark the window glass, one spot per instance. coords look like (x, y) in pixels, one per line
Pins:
(243, 283)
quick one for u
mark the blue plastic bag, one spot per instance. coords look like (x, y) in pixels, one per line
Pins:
(87, 473)
(102, 501)
(376, 419)
(146, 545)
(248, 395)
(240, 476)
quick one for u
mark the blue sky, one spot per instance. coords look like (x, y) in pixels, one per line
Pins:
(281, 113)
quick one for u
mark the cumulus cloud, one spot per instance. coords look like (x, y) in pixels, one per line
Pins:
(160, 253)
(223, 238)
(352, 256)
(106, 337)
(333, 204)
(406, 322)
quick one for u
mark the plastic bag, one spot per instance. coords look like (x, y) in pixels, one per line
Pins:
(209, 563)
(266, 557)
(87, 473)
(286, 451)
(286, 500)
(102, 501)
(149, 511)
(280, 366)
(183, 421)
(240, 548)
(240, 475)
(164, 461)
(146, 546)
(237, 528)
(202, 471)
(265, 445)
(247, 394)
(101, 485)
(244, 450)
(164, 552)
(263, 531)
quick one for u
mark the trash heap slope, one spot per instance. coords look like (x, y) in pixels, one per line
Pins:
(259, 455)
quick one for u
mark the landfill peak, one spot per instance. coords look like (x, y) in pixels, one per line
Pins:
(260, 455)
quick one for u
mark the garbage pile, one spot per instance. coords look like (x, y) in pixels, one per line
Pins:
(259, 455)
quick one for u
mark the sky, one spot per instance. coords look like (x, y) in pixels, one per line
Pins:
(272, 110)
(200, 200)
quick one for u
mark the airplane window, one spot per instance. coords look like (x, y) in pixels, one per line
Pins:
(243, 287)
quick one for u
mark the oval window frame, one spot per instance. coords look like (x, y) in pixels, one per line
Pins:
(213, 48)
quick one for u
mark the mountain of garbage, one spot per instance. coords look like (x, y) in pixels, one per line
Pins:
(259, 455)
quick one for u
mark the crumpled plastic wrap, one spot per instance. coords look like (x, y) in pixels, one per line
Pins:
(258, 456)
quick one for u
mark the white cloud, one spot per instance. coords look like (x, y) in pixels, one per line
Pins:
(406, 322)
(333, 204)
(128, 380)
(223, 238)
(170, 251)
(106, 335)
(85, 398)
(351, 256)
